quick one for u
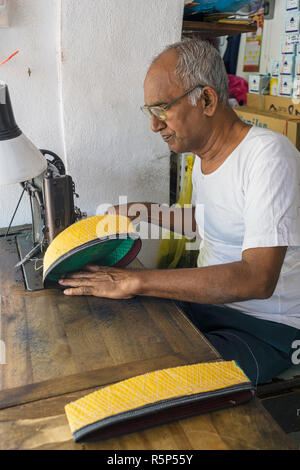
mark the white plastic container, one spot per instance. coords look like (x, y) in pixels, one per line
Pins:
(297, 66)
(259, 84)
(296, 88)
(292, 5)
(287, 47)
(287, 65)
(286, 86)
(274, 86)
(275, 67)
(292, 22)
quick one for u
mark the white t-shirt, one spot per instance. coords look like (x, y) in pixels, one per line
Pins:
(253, 200)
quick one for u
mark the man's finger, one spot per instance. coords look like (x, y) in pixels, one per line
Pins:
(78, 275)
(76, 282)
(83, 290)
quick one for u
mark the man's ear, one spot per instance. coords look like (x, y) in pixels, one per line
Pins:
(210, 99)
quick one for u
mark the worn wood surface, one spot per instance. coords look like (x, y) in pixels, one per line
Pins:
(60, 348)
(58, 342)
(43, 425)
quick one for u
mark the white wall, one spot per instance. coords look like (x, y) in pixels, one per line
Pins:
(109, 145)
(35, 98)
(88, 62)
(272, 31)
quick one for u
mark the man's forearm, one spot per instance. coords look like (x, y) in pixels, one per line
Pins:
(219, 284)
(254, 277)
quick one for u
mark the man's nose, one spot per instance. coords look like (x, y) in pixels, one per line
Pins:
(156, 124)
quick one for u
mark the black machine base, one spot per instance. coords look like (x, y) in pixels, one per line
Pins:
(32, 269)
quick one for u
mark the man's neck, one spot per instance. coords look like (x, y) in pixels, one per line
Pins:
(228, 132)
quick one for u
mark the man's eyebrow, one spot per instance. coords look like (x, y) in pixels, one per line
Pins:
(157, 104)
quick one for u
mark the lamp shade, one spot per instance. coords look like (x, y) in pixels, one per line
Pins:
(20, 160)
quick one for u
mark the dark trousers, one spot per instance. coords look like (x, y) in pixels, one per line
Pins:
(261, 348)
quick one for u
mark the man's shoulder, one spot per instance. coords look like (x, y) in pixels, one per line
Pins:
(266, 137)
(264, 144)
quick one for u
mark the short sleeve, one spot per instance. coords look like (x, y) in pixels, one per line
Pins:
(195, 177)
(272, 196)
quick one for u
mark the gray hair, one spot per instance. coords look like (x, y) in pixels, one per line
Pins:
(199, 63)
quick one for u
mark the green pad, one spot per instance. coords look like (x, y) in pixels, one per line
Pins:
(101, 254)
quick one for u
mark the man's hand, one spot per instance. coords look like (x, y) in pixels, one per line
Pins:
(113, 283)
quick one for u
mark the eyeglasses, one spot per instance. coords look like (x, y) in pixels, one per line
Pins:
(160, 111)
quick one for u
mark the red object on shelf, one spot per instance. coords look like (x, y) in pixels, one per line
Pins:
(238, 89)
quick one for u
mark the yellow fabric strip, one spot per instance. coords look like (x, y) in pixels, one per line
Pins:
(151, 388)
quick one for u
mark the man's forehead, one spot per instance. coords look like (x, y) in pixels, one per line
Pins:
(164, 65)
(161, 79)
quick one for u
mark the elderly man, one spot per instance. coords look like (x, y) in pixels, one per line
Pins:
(245, 293)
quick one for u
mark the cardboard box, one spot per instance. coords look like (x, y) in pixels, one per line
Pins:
(276, 104)
(274, 122)
(255, 101)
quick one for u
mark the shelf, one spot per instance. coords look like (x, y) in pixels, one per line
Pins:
(214, 29)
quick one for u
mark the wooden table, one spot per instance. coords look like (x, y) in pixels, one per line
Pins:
(60, 348)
